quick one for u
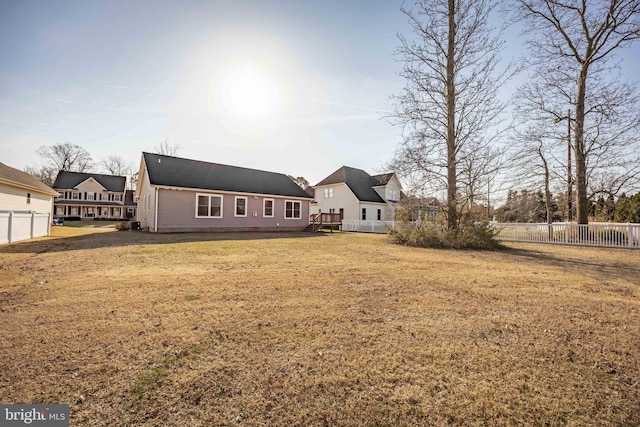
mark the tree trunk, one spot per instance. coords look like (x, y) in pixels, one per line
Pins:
(582, 207)
(452, 208)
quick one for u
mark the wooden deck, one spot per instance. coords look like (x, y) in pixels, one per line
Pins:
(325, 221)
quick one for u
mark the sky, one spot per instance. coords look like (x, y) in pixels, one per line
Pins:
(296, 87)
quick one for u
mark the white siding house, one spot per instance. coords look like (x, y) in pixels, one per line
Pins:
(25, 205)
(356, 195)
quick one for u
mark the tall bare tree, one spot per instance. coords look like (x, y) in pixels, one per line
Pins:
(572, 43)
(66, 157)
(449, 104)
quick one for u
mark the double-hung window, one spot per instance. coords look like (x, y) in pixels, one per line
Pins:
(292, 209)
(267, 208)
(208, 206)
(328, 193)
(91, 195)
(241, 206)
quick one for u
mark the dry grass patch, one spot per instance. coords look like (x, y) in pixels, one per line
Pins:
(133, 328)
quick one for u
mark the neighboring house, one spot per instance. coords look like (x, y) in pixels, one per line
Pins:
(176, 194)
(92, 195)
(356, 195)
(25, 205)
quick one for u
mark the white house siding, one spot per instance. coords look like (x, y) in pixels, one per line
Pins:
(343, 198)
(177, 212)
(15, 199)
(146, 208)
(391, 189)
(372, 211)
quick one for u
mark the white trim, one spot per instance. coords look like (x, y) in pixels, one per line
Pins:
(155, 213)
(235, 206)
(293, 209)
(273, 208)
(209, 196)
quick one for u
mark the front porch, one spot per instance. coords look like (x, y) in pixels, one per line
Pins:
(93, 212)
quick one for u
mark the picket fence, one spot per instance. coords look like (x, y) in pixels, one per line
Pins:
(611, 235)
(17, 226)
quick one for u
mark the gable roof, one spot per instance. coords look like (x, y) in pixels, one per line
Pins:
(69, 180)
(18, 178)
(195, 174)
(383, 179)
(358, 181)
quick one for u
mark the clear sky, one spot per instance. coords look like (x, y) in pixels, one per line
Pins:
(287, 86)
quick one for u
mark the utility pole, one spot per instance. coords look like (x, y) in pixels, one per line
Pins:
(569, 178)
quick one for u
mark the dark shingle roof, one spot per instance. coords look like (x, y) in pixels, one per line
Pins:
(17, 177)
(186, 173)
(383, 179)
(69, 180)
(360, 183)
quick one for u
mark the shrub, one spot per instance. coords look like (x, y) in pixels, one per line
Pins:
(469, 235)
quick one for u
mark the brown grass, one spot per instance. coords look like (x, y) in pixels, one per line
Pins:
(131, 328)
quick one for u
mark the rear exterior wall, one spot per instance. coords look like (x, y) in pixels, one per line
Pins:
(177, 212)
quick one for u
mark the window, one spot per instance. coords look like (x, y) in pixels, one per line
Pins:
(91, 196)
(75, 196)
(292, 210)
(208, 206)
(28, 198)
(393, 195)
(117, 197)
(241, 206)
(104, 197)
(364, 214)
(379, 214)
(267, 208)
(328, 193)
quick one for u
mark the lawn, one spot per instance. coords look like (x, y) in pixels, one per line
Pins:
(132, 328)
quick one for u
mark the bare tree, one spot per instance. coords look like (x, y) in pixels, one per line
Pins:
(66, 157)
(115, 165)
(449, 103)
(301, 181)
(44, 173)
(572, 42)
(167, 149)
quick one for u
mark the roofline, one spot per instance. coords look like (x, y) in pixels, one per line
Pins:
(209, 190)
(28, 187)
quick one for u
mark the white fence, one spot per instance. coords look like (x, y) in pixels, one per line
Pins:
(17, 226)
(367, 226)
(612, 235)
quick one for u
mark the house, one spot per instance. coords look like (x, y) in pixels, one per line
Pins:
(356, 195)
(176, 194)
(92, 195)
(25, 205)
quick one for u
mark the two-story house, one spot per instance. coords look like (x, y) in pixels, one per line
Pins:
(356, 195)
(92, 195)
